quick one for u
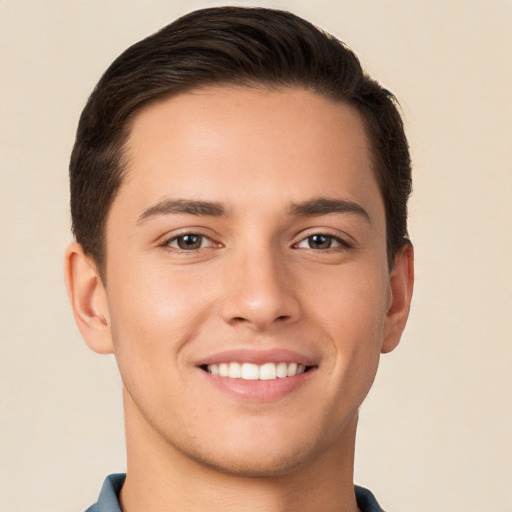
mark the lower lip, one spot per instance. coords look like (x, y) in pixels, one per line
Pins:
(259, 390)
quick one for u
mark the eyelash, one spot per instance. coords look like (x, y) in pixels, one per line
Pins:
(167, 244)
(330, 239)
(341, 244)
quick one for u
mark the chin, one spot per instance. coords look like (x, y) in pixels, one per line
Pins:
(253, 463)
(262, 452)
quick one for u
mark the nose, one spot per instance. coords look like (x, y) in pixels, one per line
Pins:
(259, 292)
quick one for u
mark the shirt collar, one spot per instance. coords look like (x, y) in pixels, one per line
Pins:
(108, 500)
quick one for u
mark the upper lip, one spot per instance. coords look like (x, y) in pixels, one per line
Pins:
(261, 356)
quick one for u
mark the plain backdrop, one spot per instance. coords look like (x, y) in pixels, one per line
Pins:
(436, 430)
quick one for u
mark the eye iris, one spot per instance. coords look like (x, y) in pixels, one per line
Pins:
(188, 242)
(320, 241)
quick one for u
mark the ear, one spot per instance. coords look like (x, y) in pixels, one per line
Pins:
(401, 281)
(88, 299)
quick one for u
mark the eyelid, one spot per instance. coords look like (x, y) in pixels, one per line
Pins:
(165, 240)
(345, 241)
(203, 238)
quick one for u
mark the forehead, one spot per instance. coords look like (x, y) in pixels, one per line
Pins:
(248, 144)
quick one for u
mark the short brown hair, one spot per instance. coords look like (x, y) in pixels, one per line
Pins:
(228, 45)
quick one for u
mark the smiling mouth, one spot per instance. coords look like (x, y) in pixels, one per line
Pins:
(251, 371)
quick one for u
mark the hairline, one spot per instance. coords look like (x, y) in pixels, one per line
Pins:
(124, 136)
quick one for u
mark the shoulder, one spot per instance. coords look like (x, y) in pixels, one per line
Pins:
(108, 498)
(366, 501)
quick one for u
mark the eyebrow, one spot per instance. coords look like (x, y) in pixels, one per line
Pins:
(183, 206)
(325, 206)
(312, 207)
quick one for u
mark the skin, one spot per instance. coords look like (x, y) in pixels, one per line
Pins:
(257, 280)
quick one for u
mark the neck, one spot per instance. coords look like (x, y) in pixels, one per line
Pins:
(160, 478)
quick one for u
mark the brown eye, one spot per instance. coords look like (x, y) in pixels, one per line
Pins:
(188, 242)
(320, 241)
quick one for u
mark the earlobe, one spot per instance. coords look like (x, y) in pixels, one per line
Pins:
(401, 281)
(88, 299)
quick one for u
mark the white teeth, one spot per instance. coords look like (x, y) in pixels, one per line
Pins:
(235, 371)
(282, 370)
(224, 369)
(251, 371)
(268, 371)
(292, 369)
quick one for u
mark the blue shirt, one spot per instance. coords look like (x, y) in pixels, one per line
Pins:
(108, 501)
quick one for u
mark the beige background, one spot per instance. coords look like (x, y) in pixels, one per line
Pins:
(436, 430)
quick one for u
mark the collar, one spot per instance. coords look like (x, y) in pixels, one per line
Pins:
(108, 499)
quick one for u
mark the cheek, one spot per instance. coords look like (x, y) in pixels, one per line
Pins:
(351, 304)
(155, 314)
(155, 310)
(352, 312)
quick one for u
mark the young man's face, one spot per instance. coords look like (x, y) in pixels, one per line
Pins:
(248, 237)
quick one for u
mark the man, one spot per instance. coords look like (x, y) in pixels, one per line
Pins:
(238, 194)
